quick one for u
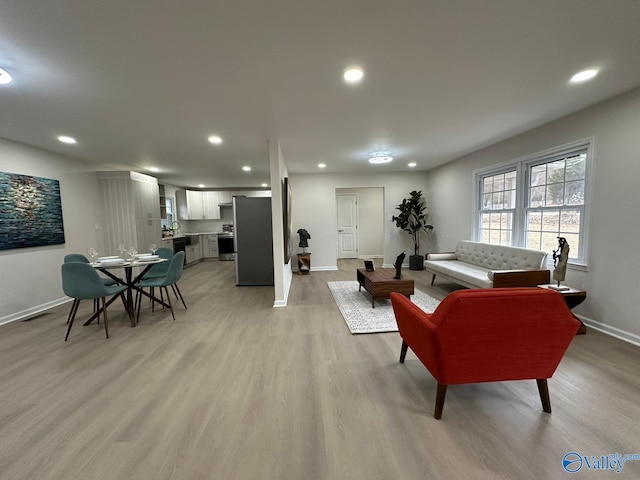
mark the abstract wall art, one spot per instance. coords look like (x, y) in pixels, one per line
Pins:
(30, 212)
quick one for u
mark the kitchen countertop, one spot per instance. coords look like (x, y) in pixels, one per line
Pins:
(190, 234)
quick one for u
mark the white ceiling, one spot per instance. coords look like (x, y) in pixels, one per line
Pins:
(144, 83)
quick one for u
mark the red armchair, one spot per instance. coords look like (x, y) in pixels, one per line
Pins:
(488, 335)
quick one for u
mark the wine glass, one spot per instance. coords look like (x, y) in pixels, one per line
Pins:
(121, 249)
(133, 251)
(153, 248)
(93, 253)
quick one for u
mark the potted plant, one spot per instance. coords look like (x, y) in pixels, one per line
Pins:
(413, 220)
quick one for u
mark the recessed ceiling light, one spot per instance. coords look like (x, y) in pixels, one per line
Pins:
(353, 75)
(201, 185)
(264, 185)
(380, 158)
(246, 168)
(4, 77)
(153, 169)
(322, 165)
(215, 139)
(412, 164)
(583, 76)
(66, 139)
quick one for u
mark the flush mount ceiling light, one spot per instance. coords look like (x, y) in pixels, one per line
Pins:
(322, 165)
(66, 139)
(201, 185)
(583, 76)
(4, 77)
(380, 157)
(215, 139)
(264, 185)
(353, 75)
(412, 164)
(246, 168)
(154, 169)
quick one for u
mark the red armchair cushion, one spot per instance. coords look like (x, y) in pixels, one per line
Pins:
(488, 335)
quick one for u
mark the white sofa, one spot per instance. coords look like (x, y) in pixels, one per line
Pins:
(482, 265)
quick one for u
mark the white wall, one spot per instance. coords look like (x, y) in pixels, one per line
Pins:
(614, 257)
(314, 208)
(370, 220)
(282, 275)
(31, 279)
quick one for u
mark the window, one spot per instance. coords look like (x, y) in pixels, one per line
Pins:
(533, 201)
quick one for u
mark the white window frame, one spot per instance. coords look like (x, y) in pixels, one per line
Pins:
(522, 165)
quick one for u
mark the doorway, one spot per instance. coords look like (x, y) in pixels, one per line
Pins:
(360, 222)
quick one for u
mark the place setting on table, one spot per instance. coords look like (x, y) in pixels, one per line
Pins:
(127, 260)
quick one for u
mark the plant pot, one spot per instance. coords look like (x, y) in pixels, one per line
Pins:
(416, 262)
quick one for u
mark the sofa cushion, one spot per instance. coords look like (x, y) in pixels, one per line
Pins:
(465, 272)
(499, 257)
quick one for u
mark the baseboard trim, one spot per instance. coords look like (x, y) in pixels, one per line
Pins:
(362, 257)
(611, 331)
(33, 311)
(324, 269)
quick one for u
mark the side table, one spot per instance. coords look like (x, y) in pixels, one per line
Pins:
(572, 297)
(304, 263)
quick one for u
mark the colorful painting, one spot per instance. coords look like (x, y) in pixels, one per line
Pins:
(30, 212)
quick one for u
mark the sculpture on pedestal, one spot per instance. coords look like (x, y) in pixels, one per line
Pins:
(304, 236)
(560, 258)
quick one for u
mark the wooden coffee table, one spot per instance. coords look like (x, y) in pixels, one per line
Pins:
(380, 283)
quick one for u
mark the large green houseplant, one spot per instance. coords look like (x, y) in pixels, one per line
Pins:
(413, 220)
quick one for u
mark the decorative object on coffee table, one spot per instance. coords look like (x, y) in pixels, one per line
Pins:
(398, 265)
(413, 220)
(560, 258)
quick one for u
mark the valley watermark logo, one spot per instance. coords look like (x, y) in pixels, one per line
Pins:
(573, 462)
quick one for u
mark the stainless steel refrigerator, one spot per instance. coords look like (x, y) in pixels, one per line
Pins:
(253, 240)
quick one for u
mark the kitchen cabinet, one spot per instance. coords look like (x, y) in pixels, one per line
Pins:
(163, 202)
(225, 197)
(131, 212)
(209, 246)
(193, 250)
(166, 243)
(195, 205)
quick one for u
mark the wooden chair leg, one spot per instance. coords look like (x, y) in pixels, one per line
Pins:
(403, 351)
(441, 392)
(543, 389)
(72, 316)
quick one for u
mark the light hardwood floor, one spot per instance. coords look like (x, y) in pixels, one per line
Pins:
(235, 389)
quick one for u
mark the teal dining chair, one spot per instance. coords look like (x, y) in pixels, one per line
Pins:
(78, 257)
(174, 273)
(80, 281)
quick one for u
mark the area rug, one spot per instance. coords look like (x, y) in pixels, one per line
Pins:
(356, 308)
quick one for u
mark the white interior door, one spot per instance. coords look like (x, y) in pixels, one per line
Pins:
(347, 225)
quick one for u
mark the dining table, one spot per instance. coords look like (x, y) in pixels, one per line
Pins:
(130, 281)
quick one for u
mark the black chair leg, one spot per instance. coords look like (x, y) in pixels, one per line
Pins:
(176, 289)
(71, 310)
(72, 317)
(104, 311)
(169, 301)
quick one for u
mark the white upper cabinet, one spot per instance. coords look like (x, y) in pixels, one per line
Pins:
(195, 205)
